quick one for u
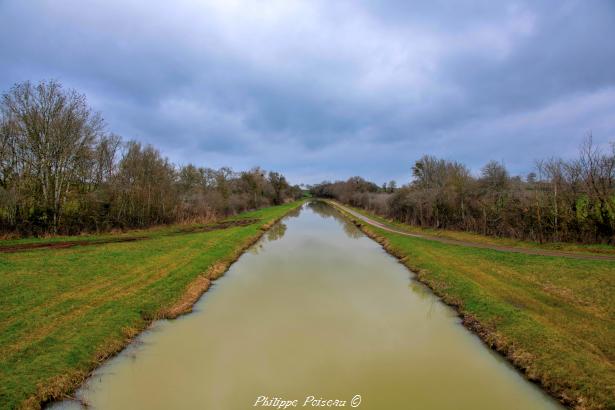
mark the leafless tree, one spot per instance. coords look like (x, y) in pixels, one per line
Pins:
(563, 200)
(60, 172)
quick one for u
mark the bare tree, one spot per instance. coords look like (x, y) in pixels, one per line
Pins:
(53, 132)
(570, 200)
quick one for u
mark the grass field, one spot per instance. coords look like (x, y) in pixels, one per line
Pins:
(600, 249)
(63, 311)
(552, 317)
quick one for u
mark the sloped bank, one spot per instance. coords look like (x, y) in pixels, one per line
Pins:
(202, 283)
(63, 385)
(564, 386)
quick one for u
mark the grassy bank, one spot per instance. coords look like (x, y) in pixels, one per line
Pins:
(64, 311)
(598, 249)
(552, 317)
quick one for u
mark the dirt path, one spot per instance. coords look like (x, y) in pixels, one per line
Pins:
(63, 245)
(22, 247)
(528, 251)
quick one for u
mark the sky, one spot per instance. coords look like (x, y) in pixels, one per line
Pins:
(328, 89)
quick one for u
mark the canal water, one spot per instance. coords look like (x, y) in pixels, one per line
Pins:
(314, 311)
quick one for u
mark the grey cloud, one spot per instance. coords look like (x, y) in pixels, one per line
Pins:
(320, 89)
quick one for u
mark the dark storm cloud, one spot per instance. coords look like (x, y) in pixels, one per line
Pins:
(321, 89)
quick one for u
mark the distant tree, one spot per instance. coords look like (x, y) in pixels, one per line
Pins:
(392, 186)
(494, 176)
(254, 182)
(562, 200)
(280, 187)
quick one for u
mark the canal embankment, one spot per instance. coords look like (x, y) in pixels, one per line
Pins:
(553, 317)
(66, 310)
(314, 310)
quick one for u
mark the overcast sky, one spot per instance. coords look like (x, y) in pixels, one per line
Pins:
(327, 89)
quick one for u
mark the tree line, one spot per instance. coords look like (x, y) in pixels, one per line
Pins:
(61, 172)
(562, 200)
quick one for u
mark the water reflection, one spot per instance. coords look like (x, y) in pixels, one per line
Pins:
(294, 213)
(322, 209)
(432, 301)
(276, 232)
(422, 291)
(326, 211)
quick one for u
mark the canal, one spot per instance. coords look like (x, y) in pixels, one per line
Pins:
(314, 310)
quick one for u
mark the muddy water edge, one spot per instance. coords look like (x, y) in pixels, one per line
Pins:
(314, 309)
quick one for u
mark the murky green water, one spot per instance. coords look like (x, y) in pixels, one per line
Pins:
(314, 309)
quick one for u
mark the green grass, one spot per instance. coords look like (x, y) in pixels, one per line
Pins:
(150, 232)
(553, 317)
(490, 240)
(64, 310)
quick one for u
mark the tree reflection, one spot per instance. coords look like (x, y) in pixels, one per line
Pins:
(256, 248)
(273, 234)
(327, 211)
(294, 213)
(276, 232)
(351, 230)
(322, 209)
